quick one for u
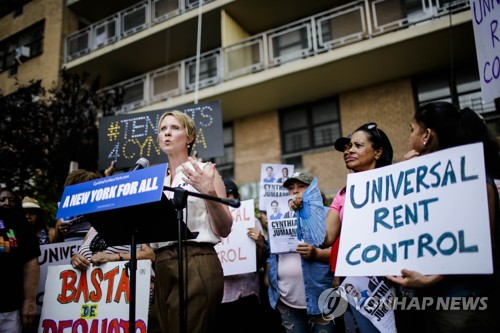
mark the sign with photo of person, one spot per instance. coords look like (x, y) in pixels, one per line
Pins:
(272, 177)
(127, 137)
(373, 298)
(282, 230)
(428, 214)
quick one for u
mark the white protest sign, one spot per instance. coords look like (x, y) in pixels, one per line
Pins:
(485, 19)
(94, 300)
(52, 255)
(272, 177)
(282, 229)
(372, 297)
(427, 214)
(237, 252)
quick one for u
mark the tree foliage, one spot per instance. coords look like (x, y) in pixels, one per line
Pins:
(41, 133)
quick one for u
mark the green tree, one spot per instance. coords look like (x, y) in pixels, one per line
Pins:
(41, 133)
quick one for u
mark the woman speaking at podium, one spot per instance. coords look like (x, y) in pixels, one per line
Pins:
(211, 220)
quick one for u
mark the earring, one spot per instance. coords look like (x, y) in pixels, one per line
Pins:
(188, 146)
(425, 143)
(376, 158)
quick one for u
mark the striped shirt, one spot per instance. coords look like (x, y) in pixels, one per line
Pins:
(87, 252)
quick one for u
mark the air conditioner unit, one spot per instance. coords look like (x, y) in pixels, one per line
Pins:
(22, 52)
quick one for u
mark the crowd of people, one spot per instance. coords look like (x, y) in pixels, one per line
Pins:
(282, 294)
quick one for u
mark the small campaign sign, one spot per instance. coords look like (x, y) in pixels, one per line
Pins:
(121, 190)
(272, 177)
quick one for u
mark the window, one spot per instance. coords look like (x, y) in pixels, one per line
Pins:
(15, 7)
(208, 72)
(308, 127)
(225, 164)
(436, 86)
(290, 44)
(22, 46)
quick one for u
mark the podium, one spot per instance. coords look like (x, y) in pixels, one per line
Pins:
(145, 223)
(131, 208)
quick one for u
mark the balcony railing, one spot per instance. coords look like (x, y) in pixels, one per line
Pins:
(308, 37)
(125, 23)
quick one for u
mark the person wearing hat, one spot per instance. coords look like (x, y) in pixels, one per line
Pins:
(36, 217)
(241, 291)
(367, 148)
(297, 279)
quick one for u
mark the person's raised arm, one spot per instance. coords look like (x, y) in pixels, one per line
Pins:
(332, 228)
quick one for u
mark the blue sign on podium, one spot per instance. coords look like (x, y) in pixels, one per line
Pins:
(117, 191)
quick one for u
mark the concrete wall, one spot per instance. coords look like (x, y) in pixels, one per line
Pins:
(256, 141)
(390, 104)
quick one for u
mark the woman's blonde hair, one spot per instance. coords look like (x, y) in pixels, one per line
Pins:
(186, 122)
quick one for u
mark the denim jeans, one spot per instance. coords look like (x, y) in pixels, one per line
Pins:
(298, 321)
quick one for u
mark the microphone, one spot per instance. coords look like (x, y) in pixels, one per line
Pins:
(140, 164)
(231, 202)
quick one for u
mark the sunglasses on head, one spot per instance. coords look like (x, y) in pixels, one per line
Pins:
(372, 127)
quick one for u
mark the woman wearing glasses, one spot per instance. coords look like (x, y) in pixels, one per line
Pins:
(436, 126)
(367, 148)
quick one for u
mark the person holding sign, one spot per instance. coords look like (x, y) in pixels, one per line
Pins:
(209, 219)
(367, 148)
(36, 217)
(297, 279)
(241, 291)
(92, 253)
(19, 251)
(73, 228)
(436, 126)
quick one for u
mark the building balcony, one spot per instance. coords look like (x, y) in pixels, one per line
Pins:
(302, 40)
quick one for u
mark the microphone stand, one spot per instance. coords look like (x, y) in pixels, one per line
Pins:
(132, 282)
(179, 202)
